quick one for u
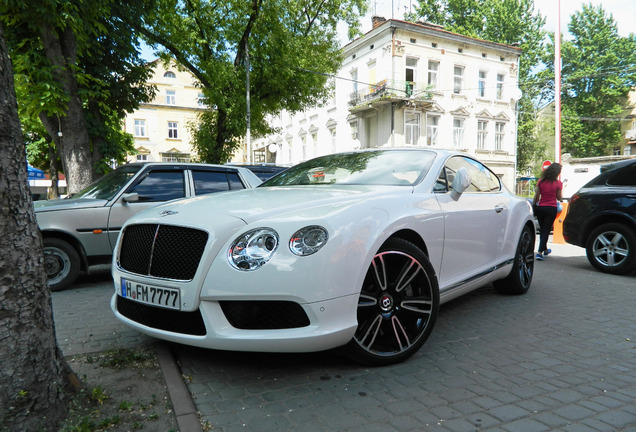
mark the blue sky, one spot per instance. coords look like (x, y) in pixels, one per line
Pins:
(623, 11)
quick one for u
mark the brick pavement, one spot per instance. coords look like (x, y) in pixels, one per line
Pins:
(560, 358)
(83, 320)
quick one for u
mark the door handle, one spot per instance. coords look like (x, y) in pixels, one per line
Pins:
(499, 208)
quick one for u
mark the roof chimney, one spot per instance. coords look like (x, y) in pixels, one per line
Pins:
(377, 21)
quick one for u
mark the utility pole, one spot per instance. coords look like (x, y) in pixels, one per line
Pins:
(557, 87)
(248, 137)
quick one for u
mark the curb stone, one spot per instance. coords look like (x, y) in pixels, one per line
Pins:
(184, 410)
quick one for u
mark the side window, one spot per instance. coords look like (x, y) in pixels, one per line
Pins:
(440, 185)
(159, 186)
(481, 178)
(235, 181)
(624, 177)
(206, 182)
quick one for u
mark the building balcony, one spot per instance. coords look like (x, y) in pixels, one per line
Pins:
(389, 91)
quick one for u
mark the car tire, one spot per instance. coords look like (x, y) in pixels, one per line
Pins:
(61, 263)
(611, 248)
(398, 305)
(520, 277)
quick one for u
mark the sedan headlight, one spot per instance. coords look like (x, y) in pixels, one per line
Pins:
(308, 240)
(253, 249)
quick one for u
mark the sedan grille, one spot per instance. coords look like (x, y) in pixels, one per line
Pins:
(163, 251)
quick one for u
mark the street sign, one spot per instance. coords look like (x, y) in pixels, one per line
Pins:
(545, 165)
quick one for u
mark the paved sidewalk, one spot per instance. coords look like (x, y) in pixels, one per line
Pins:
(84, 322)
(561, 358)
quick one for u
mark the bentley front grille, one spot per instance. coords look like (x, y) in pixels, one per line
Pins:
(163, 251)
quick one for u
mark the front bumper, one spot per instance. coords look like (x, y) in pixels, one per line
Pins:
(332, 323)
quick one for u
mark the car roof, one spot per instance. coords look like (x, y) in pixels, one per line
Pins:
(248, 175)
(616, 165)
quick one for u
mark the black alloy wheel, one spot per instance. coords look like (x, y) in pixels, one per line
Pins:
(520, 277)
(397, 307)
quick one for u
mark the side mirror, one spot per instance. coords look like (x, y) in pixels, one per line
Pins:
(460, 183)
(131, 197)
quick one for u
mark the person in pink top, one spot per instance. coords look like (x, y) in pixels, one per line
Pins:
(548, 192)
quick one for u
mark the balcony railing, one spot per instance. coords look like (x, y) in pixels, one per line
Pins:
(390, 90)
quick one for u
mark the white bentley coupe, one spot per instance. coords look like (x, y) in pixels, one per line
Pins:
(354, 250)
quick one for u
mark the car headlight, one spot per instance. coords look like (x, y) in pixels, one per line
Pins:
(253, 249)
(308, 240)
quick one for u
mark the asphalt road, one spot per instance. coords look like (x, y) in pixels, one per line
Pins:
(562, 357)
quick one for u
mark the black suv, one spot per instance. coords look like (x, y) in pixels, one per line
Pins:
(602, 218)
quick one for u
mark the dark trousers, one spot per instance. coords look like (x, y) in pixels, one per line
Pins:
(546, 216)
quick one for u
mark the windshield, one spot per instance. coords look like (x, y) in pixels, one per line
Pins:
(384, 167)
(108, 186)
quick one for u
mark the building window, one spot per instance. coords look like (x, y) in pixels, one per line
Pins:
(259, 155)
(499, 135)
(142, 158)
(171, 97)
(173, 130)
(354, 129)
(289, 150)
(201, 99)
(616, 151)
(432, 127)
(314, 142)
(482, 132)
(410, 75)
(332, 134)
(628, 150)
(481, 85)
(458, 79)
(372, 79)
(174, 156)
(411, 127)
(354, 79)
(140, 128)
(500, 86)
(303, 147)
(433, 68)
(169, 75)
(458, 132)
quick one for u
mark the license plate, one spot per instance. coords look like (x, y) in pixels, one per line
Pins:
(149, 294)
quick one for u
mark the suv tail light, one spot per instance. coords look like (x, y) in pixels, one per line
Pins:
(574, 198)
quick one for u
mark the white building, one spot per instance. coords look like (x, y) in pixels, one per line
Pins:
(411, 84)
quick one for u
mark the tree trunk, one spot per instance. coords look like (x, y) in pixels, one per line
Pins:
(70, 131)
(54, 191)
(34, 377)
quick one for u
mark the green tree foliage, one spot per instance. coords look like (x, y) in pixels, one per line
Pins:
(78, 70)
(598, 72)
(508, 22)
(291, 45)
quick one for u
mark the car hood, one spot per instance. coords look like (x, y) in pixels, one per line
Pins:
(67, 203)
(252, 205)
